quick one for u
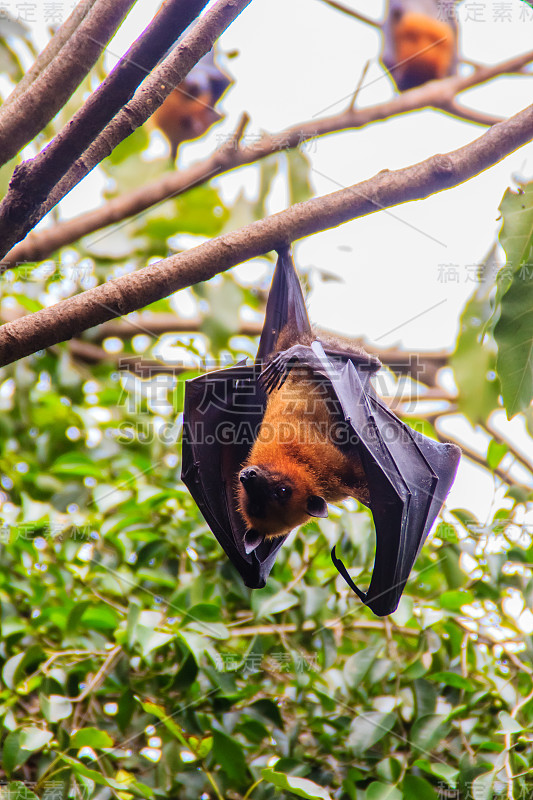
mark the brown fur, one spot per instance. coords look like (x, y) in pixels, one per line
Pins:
(295, 447)
(182, 116)
(424, 49)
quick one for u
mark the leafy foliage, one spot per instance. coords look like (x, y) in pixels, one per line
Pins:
(135, 663)
(514, 329)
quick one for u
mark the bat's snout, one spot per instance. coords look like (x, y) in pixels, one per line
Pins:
(256, 491)
(248, 475)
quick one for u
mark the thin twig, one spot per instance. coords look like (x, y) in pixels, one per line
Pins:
(355, 14)
(359, 85)
(99, 676)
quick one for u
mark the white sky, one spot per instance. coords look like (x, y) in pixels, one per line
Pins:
(296, 58)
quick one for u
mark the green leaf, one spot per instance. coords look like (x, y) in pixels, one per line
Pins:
(100, 618)
(383, 791)
(150, 639)
(427, 732)
(514, 335)
(367, 729)
(425, 697)
(166, 719)
(474, 359)
(269, 710)
(301, 787)
(389, 770)
(268, 169)
(415, 788)
(276, 603)
(203, 612)
(513, 331)
(132, 145)
(454, 600)
(201, 747)
(90, 737)
(56, 707)
(516, 235)
(483, 786)
(200, 211)
(495, 453)
(508, 723)
(445, 771)
(18, 790)
(131, 785)
(32, 738)
(455, 680)
(358, 665)
(76, 464)
(228, 754)
(10, 669)
(299, 169)
(13, 756)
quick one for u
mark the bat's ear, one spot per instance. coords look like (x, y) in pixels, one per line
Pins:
(252, 540)
(317, 506)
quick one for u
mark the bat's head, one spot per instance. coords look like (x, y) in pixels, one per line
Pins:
(273, 502)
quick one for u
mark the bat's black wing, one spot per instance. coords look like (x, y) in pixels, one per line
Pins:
(222, 414)
(408, 477)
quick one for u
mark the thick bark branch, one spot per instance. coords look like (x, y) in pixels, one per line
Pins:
(30, 111)
(38, 186)
(115, 298)
(437, 94)
(46, 56)
(33, 180)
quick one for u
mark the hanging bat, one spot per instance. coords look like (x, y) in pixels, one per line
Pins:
(419, 41)
(188, 111)
(267, 446)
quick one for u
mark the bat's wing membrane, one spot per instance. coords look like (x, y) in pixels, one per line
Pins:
(408, 476)
(222, 414)
(285, 306)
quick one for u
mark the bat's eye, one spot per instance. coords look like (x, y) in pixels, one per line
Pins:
(283, 492)
(396, 15)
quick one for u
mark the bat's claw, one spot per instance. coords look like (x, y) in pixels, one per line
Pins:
(276, 372)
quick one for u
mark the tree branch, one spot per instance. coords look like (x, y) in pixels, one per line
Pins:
(28, 112)
(136, 290)
(471, 115)
(420, 365)
(60, 38)
(33, 180)
(481, 461)
(519, 457)
(437, 94)
(37, 187)
(355, 14)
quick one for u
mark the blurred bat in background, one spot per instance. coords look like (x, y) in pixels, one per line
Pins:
(189, 110)
(419, 41)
